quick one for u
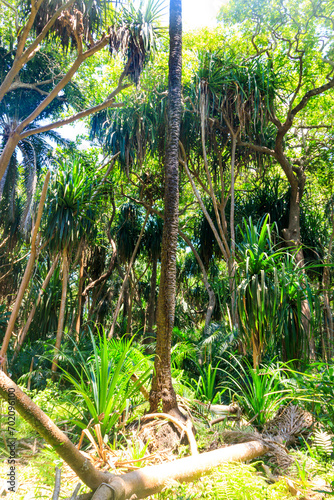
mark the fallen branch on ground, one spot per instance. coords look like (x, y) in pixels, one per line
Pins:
(150, 480)
(142, 482)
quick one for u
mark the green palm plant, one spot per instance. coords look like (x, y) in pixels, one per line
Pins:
(207, 387)
(295, 289)
(257, 286)
(103, 383)
(73, 208)
(260, 391)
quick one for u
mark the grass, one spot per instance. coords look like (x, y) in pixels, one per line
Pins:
(36, 468)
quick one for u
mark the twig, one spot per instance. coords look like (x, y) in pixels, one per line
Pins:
(75, 492)
(56, 491)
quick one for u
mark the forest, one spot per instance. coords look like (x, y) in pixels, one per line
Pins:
(166, 251)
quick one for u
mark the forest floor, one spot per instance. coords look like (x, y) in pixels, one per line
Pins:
(36, 462)
(310, 476)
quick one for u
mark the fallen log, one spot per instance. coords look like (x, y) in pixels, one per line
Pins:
(152, 479)
(136, 484)
(20, 402)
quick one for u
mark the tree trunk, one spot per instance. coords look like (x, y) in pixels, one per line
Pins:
(61, 319)
(129, 321)
(28, 271)
(231, 263)
(291, 234)
(152, 479)
(329, 328)
(126, 306)
(80, 288)
(24, 331)
(162, 388)
(120, 297)
(292, 239)
(51, 433)
(151, 300)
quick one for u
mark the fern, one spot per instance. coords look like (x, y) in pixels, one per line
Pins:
(323, 442)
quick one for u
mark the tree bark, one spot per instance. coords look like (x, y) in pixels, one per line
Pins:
(329, 329)
(61, 319)
(151, 300)
(80, 287)
(51, 433)
(28, 271)
(162, 388)
(24, 331)
(120, 297)
(152, 479)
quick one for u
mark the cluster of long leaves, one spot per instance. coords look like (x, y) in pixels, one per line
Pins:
(259, 391)
(271, 292)
(71, 214)
(315, 387)
(207, 387)
(257, 282)
(103, 385)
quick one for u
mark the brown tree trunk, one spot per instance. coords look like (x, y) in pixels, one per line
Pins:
(51, 433)
(162, 388)
(129, 321)
(292, 239)
(80, 288)
(61, 319)
(329, 328)
(152, 479)
(24, 331)
(151, 300)
(28, 271)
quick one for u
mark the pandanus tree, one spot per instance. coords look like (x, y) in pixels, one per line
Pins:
(80, 27)
(72, 211)
(226, 99)
(258, 287)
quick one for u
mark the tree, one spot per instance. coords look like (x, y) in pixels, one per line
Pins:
(72, 24)
(162, 388)
(297, 46)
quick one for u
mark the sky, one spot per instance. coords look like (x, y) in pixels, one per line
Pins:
(199, 13)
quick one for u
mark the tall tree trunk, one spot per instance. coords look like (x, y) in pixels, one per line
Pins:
(129, 321)
(151, 300)
(292, 238)
(80, 288)
(231, 263)
(24, 331)
(28, 271)
(126, 306)
(61, 319)
(162, 388)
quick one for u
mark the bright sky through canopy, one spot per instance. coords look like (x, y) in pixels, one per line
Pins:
(197, 13)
